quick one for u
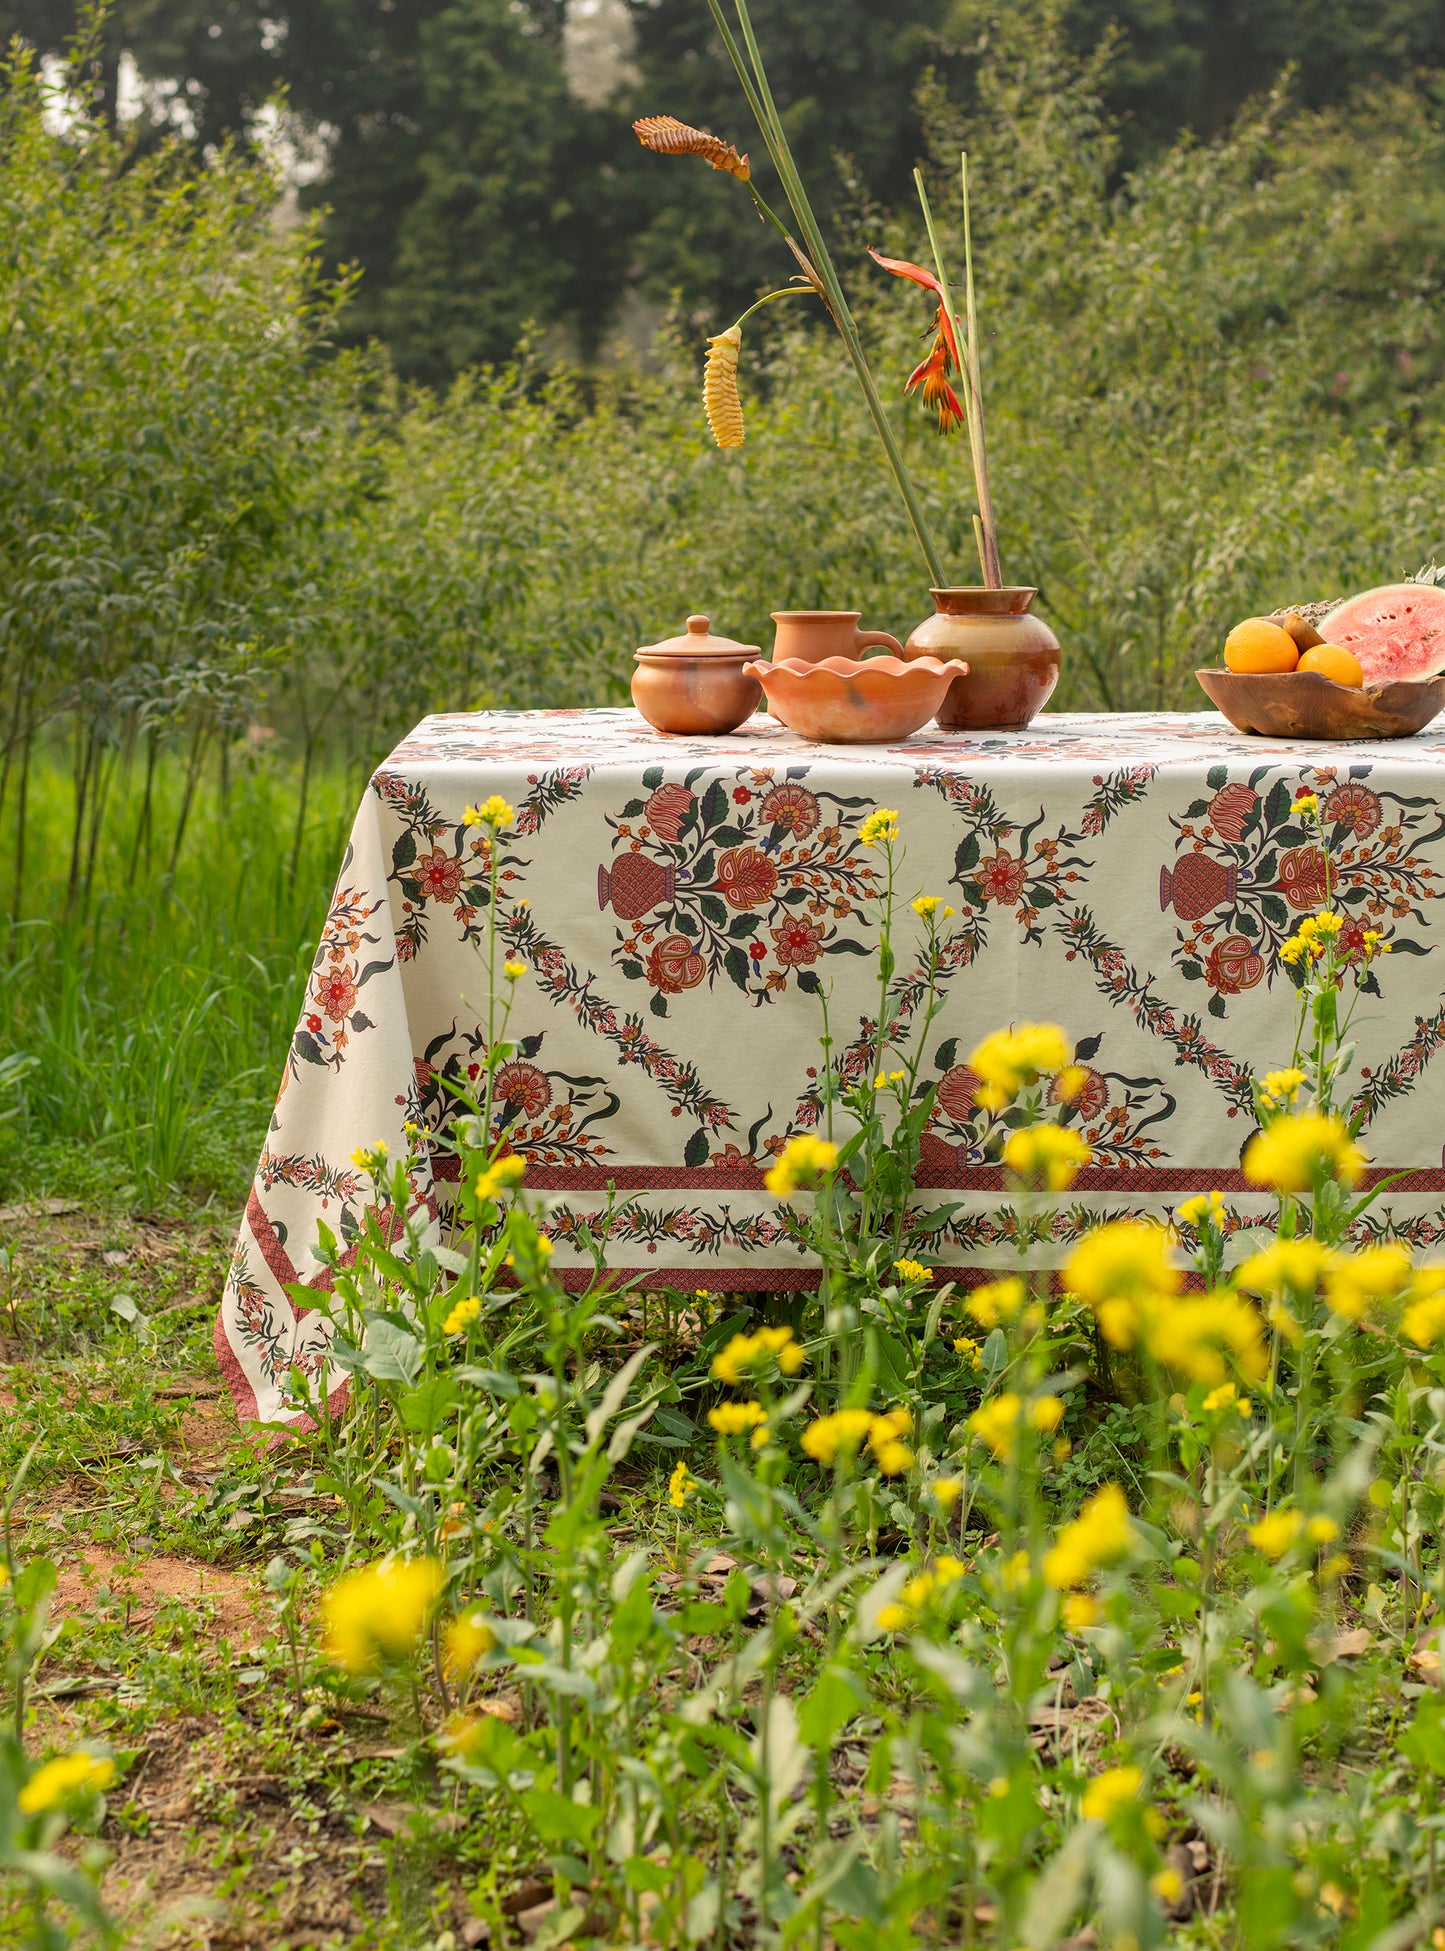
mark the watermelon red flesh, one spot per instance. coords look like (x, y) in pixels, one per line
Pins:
(1394, 632)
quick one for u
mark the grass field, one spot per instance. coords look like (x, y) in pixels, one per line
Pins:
(1106, 1616)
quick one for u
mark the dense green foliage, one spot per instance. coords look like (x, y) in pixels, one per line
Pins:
(481, 184)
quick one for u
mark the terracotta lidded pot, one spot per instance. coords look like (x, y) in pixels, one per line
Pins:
(694, 683)
(1012, 657)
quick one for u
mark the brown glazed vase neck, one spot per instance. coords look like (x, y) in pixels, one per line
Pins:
(972, 600)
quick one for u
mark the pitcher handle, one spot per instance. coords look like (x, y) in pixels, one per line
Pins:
(864, 639)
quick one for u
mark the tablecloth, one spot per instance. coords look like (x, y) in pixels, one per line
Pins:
(682, 905)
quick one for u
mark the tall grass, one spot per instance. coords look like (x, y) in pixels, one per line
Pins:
(149, 1024)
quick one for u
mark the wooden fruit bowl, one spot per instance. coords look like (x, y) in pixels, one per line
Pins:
(1302, 704)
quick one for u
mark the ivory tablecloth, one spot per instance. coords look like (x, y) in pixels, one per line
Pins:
(679, 904)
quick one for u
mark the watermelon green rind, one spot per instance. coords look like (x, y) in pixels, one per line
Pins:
(1395, 632)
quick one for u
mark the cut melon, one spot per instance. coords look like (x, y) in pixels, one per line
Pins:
(1394, 632)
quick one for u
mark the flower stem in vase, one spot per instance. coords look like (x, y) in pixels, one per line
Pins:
(984, 528)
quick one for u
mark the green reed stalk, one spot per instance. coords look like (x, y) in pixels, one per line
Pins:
(760, 100)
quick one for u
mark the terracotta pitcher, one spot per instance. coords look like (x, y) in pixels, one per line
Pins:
(1012, 657)
(808, 636)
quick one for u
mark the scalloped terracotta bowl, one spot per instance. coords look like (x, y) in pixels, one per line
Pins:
(843, 702)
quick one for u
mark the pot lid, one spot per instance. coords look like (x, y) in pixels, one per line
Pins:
(699, 642)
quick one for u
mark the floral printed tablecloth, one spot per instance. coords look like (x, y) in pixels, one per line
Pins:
(680, 904)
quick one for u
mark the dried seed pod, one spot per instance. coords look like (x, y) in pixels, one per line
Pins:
(669, 137)
(720, 388)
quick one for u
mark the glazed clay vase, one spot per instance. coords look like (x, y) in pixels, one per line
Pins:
(808, 636)
(694, 684)
(1012, 657)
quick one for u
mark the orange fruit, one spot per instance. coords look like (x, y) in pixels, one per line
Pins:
(1258, 645)
(1335, 664)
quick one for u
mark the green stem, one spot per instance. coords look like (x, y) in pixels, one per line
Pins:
(788, 291)
(993, 575)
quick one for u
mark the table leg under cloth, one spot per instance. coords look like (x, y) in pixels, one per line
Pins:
(680, 904)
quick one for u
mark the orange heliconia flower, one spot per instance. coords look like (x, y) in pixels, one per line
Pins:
(669, 137)
(932, 373)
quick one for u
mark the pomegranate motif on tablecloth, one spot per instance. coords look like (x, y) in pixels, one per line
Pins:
(1234, 964)
(675, 965)
(634, 884)
(1303, 879)
(1230, 808)
(1196, 884)
(667, 808)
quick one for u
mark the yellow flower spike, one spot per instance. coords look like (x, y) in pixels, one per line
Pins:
(1204, 1209)
(880, 829)
(1046, 1413)
(998, 1301)
(1010, 1059)
(1106, 1794)
(1322, 1530)
(466, 1642)
(380, 1611)
(736, 1418)
(1295, 1265)
(720, 399)
(494, 813)
(803, 1161)
(969, 1349)
(760, 1437)
(913, 1270)
(501, 1176)
(1102, 1533)
(1224, 1397)
(370, 1158)
(1274, 1535)
(680, 1486)
(462, 1315)
(927, 905)
(1292, 1153)
(996, 1425)
(1167, 1885)
(946, 1493)
(63, 1779)
(1081, 1611)
(1049, 1152)
(1356, 1284)
(893, 1458)
(841, 1434)
(1122, 1260)
(893, 1618)
(1423, 1321)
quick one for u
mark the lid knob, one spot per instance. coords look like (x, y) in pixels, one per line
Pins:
(698, 626)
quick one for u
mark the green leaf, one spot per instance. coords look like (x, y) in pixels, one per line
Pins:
(557, 1819)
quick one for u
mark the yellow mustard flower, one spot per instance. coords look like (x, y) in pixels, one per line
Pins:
(1423, 1321)
(1195, 1332)
(1306, 803)
(1010, 1059)
(380, 1611)
(885, 1439)
(998, 1301)
(1100, 1534)
(1273, 1535)
(1070, 1083)
(1106, 1794)
(1322, 1530)
(880, 828)
(1281, 1087)
(913, 1270)
(802, 1162)
(500, 1176)
(1357, 1283)
(63, 1779)
(462, 1315)
(1081, 1610)
(1292, 1154)
(466, 1642)
(735, 1418)
(927, 904)
(514, 971)
(1046, 1413)
(680, 1485)
(996, 1425)
(1048, 1152)
(370, 1158)
(968, 1348)
(1296, 1265)
(1204, 1209)
(841, 1434)
(894, 1618)
(947, 1491)
(494, 813)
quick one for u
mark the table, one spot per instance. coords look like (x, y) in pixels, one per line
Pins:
(679, 904)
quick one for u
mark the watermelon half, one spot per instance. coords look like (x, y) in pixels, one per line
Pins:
(1394, 632)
